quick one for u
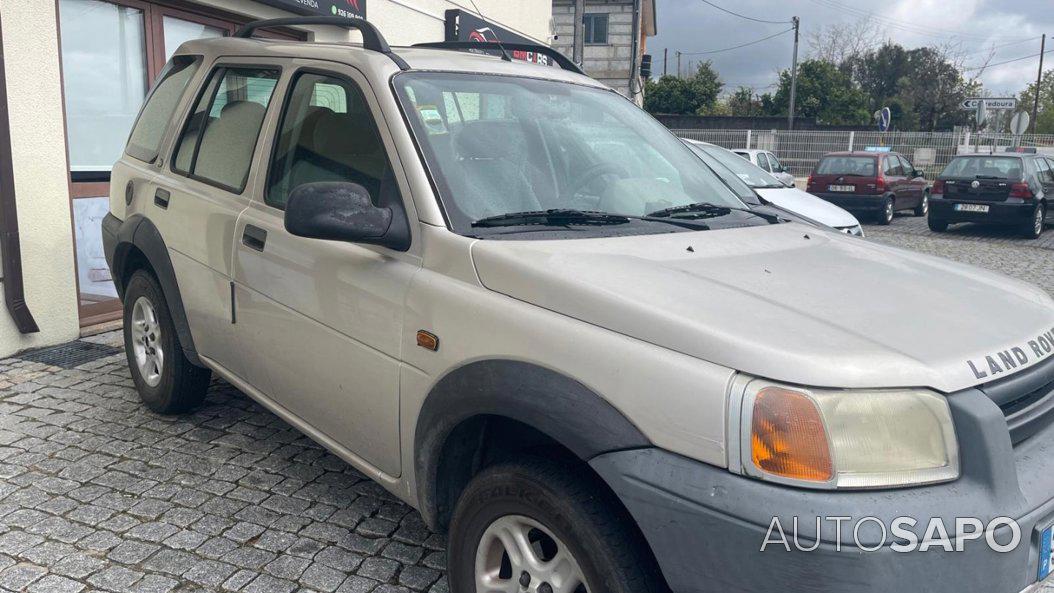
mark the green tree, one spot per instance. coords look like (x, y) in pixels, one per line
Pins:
(1045, 120)
(696, 94)
(744, 103)
(824, 92)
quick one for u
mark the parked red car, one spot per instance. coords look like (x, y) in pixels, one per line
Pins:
(876, 183)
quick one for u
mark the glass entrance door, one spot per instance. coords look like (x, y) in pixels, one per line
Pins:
(111, 51)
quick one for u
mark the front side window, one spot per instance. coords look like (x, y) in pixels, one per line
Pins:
(158, 110)
(499, 145)
(218, 140)
(328, 134)
(776, 165)
(596, 28)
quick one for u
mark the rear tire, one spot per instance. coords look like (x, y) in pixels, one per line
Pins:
(1033, 229)
(924, 206)
(168, 383)
(565, 514)
(937, 226)
(885, 215)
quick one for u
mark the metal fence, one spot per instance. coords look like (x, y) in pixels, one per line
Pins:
(800, 150)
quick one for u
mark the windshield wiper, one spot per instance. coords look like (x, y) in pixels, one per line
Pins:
(701, 210)
(988, 177)
(554, 217)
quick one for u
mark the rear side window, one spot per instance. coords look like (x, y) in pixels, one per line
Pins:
(218, 140)
(146, 136)
(860, 166)
(892, 166)
(328, 134)
(1046, 176)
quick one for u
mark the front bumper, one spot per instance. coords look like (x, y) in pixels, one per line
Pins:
(854, 202)
(998, 212)
(707, 526)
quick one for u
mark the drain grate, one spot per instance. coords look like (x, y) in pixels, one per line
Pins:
(70, 355)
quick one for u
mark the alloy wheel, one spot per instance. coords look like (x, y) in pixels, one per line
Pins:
(517, 554)
(1038, 221)
(146, 341)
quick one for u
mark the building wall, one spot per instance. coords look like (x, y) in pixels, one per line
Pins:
(608, 63)
(34, 102)
(31, 55)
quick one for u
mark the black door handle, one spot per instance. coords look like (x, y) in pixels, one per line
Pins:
(254, 237)
(161, 197)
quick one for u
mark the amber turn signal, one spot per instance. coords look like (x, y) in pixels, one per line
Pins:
(788, 438)
(427, 340)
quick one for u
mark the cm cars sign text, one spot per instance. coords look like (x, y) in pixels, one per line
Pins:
(344, 8)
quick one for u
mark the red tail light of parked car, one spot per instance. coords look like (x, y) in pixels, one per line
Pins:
(1021, 190)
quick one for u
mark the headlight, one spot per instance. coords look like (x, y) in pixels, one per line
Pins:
(856, 231)
(826, 438)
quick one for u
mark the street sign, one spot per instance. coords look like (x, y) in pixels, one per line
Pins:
(993, 103)
(1019, 123)
(882, 118)
(982, 113)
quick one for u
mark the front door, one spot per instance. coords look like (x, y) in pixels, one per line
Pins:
(324, 317)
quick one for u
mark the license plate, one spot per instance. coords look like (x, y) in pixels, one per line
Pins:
(841, 188)
(971, 208)
(1046, 552)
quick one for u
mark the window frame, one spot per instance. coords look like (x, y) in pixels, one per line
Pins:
(217, 66)
(590, 30)
(290, 88)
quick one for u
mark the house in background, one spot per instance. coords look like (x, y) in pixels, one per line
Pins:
(608, 38)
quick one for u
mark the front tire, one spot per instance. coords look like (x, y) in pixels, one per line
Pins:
(543, 523)
(167, 382)
(1034, 228)
(885, 215)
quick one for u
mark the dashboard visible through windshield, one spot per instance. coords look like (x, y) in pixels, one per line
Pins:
(499, 145)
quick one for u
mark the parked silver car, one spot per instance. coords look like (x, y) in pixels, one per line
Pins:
(772, 191)
(768, 162)
(520, 304)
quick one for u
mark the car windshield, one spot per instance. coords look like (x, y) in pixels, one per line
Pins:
(984, 167)
(751, 174)
(498, 145)
(860, 166)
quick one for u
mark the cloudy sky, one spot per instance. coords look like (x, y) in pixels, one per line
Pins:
(974, 26)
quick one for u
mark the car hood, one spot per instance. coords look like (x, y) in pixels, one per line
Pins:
(808, 205)
(787, 302)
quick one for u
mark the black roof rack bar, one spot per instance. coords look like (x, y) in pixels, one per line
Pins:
(371, 37)
(556, 56)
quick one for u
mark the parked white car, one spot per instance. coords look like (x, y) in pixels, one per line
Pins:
(771, 190)
(768, 163)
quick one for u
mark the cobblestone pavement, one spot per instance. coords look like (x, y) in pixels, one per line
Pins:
(988, 247)
(96, 493)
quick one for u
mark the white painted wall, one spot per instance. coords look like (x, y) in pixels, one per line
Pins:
(34, 88)
(38, 140)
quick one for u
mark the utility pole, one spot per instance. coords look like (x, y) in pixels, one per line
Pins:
(1039, 82)
(580, 31)
(665, 61)
(678, 64)
(794, 74)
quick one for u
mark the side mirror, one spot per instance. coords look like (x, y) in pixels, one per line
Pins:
(918, 173)
(337, 211)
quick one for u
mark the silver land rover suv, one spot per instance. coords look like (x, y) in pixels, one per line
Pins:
(521, 305)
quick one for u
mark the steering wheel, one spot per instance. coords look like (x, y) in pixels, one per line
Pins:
(594, 172)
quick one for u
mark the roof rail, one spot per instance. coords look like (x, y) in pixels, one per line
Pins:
(371, 36)
(545, 50)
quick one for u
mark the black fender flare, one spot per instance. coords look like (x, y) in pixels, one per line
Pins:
(558, 406)
(137, 231)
